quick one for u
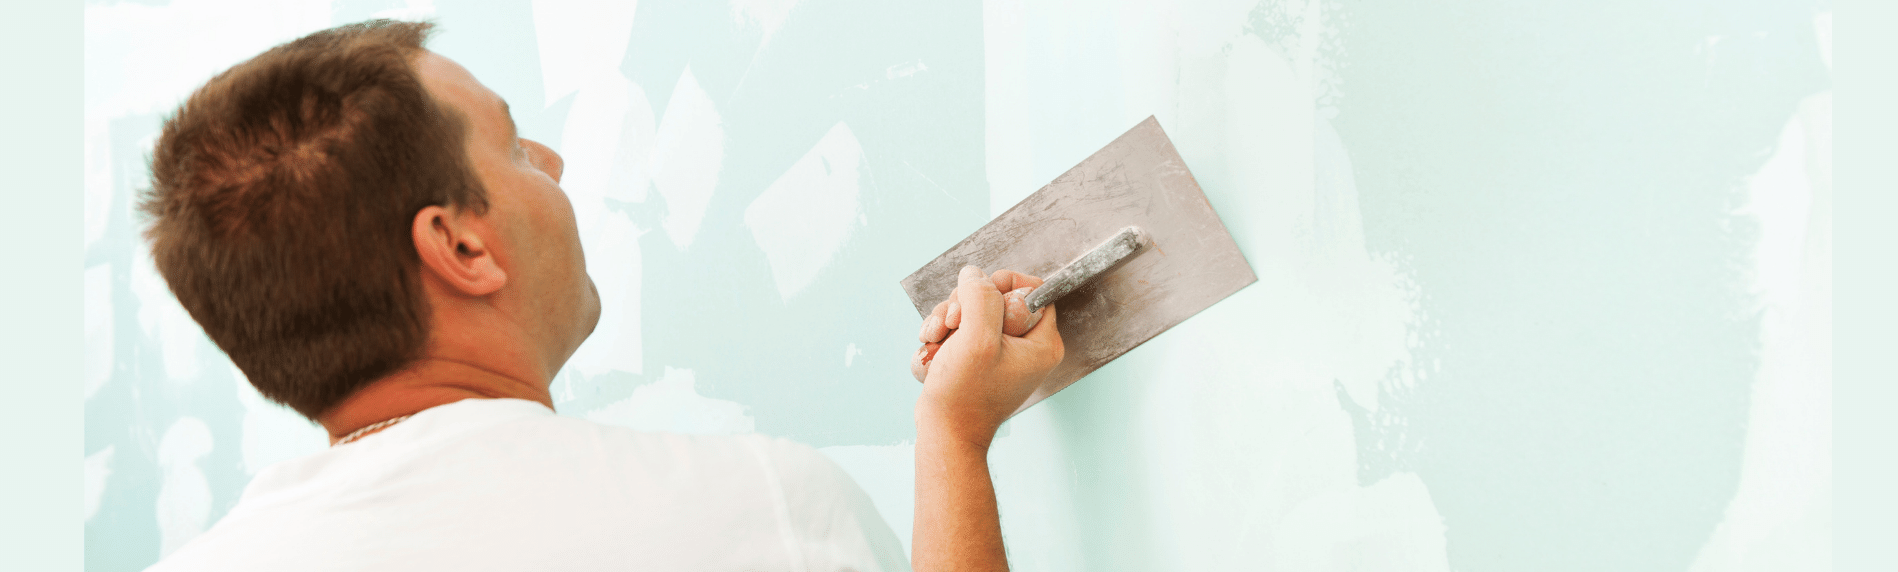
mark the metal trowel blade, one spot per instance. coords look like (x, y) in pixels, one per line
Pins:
(1189, 261)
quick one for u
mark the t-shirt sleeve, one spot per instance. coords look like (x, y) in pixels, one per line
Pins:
(835, 524)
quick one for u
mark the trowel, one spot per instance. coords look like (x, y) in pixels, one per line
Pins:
(1127, 246)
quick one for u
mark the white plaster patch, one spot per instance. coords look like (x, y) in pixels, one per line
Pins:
(673, 405)
(688, 152)
(184, 498)
(124, 75)
(99, 343)
(273, 433)
(615, 150)
(851, 351)
(165, 322)
(609, 121)
(1374, 304)
(888, 474)
(1780, 515)
(98, 177)
(804, 218)
(580, 42)
(613, 260)
(98, 469)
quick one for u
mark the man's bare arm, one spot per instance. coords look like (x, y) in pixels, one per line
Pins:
(976, 380)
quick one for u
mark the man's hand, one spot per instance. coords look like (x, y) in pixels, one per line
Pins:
(983, 355)
(1016, 319)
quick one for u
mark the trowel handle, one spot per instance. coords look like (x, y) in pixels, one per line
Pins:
(1102, 258)
(1120, 247)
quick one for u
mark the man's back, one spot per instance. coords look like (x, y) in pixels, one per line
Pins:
(504, 484)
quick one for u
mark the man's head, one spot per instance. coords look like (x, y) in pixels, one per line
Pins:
(301, 202)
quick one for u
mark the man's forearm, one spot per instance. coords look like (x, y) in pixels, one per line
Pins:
(957, 525)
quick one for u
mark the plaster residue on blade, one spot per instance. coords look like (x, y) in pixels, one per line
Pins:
(1137, 180)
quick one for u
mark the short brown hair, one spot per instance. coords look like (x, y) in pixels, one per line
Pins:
(282, 198)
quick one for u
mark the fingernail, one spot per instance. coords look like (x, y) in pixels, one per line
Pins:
(972, 272)
(930, 329)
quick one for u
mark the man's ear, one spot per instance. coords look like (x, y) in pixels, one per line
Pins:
(452, 250)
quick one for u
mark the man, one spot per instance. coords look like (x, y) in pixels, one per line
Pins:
(354, 220)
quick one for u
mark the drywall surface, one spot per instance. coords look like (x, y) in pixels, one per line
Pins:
(1541, 287)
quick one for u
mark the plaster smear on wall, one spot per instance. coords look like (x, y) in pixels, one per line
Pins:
(604, 145)
(688, 150)
(804, 217)
(608, 129)
(1223, 443)
(613, 261)
(184, 500)
(603, 131)
(579, 42)
(98, 467)
(166, 323)
(615, 152)
(98, 177)
(126, 75)
(672, 404)
(99, 357)
(1780, 517)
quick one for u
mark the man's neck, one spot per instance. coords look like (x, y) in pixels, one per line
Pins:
(427, 383)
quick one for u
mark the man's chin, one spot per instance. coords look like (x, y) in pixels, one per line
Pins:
(593, 324)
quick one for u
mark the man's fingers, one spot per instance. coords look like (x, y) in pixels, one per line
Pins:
(952, 317)
(1009, 280)
(933, 330)
(981, 304)
(1047, 333)
(1004, 280)
(919, 363)
(1015, 317)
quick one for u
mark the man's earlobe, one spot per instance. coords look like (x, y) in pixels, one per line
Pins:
(452, 250)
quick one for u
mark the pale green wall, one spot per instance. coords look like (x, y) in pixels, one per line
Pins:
(1542, 287)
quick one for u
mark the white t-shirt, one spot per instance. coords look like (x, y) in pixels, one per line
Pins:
(504, 484)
